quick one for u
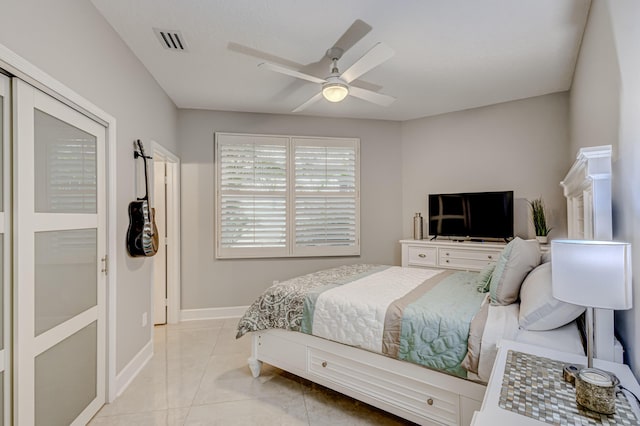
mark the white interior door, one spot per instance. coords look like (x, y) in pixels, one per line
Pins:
(160, 259)
(166, 201)
(59, 227)
(5, 251)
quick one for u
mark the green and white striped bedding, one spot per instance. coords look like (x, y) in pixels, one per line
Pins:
(418, 315)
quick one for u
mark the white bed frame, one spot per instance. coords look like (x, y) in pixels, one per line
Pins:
(413, 392)
(408, 390)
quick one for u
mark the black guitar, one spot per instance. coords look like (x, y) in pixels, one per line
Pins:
(142, 235)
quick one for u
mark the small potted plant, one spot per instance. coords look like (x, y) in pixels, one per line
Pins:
(539, 220)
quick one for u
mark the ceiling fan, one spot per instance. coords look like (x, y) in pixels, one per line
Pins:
(338, 85)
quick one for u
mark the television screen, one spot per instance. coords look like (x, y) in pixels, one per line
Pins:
(476, 215)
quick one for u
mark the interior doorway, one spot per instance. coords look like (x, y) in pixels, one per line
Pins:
(166, 263)
(18, 132)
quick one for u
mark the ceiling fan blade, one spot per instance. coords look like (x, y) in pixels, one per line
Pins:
(351, 36)
(311, 101)
(368, 95)
(354, 34)
(292, 73)
(374, 57)
(265, 56)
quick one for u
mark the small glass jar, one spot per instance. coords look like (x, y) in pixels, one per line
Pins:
(595, 390)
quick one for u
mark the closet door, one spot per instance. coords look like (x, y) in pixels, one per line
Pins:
(5, 252)
(59, 241)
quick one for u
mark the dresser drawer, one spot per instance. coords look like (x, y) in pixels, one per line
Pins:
(424, 400)
(423, 256)
(466, 259)
(488, 255)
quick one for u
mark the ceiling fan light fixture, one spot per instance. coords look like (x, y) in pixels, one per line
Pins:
(334, 91)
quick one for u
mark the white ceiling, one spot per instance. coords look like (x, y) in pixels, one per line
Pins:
(450, 54)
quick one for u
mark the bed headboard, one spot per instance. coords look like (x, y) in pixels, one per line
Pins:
(587, 188)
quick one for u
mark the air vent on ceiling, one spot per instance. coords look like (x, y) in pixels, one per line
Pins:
(170, 39)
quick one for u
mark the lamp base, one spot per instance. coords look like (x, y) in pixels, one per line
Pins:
(570, 371)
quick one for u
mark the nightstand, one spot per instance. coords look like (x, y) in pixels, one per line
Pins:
(529, 358)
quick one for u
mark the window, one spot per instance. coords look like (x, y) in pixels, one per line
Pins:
(286, 196)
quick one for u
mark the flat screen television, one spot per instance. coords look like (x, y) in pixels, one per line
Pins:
(471, 215)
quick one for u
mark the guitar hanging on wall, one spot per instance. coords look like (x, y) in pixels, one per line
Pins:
(142, 235)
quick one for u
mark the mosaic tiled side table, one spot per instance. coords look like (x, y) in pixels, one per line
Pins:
(526, 389)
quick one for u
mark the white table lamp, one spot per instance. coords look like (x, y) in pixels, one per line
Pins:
(594, 274)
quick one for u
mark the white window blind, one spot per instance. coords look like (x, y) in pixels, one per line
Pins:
(280, 196)
(253, 195)
(325, 195)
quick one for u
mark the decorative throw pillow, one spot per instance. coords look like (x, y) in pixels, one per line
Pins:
(517, 259)
(484, 278)
(539, 310)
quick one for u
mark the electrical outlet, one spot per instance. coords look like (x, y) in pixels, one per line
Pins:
(144, 319)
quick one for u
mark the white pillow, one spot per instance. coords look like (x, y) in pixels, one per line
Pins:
(517, 259)
(539, 310)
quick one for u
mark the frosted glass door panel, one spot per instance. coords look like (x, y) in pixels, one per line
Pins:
(65, 276)
(2, 142)
(65, 378)
(1, 294)
(65, 167)
(1, 395)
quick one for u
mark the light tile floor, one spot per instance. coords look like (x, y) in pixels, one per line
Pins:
(199, 376)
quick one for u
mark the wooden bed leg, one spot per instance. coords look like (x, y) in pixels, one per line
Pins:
(255, 366)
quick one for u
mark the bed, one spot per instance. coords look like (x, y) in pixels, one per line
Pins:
(369, 366)
(419, 343)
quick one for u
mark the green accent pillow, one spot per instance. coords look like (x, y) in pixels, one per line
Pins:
(517, 259)
(484, 278)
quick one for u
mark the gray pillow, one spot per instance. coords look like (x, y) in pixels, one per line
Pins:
(539, 310)
(517, 259)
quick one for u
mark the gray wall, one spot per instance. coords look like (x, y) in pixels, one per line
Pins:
(69, 40)
(210, 283)
(520, 146)
(605, 106)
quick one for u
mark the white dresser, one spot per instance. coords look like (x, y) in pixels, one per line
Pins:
(466, 255)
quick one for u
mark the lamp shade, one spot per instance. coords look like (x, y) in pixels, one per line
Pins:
(592, 273)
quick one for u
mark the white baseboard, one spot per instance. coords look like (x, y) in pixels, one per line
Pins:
(212, 313)
(131, 370)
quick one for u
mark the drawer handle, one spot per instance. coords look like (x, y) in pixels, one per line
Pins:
(422, 255)
(324, 364)
(447, 261)
(446, 254)
(430, 401)
(490, 257)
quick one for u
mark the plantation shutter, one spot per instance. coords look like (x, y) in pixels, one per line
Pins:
(326, 197)
(280, 196)
(252, 196)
